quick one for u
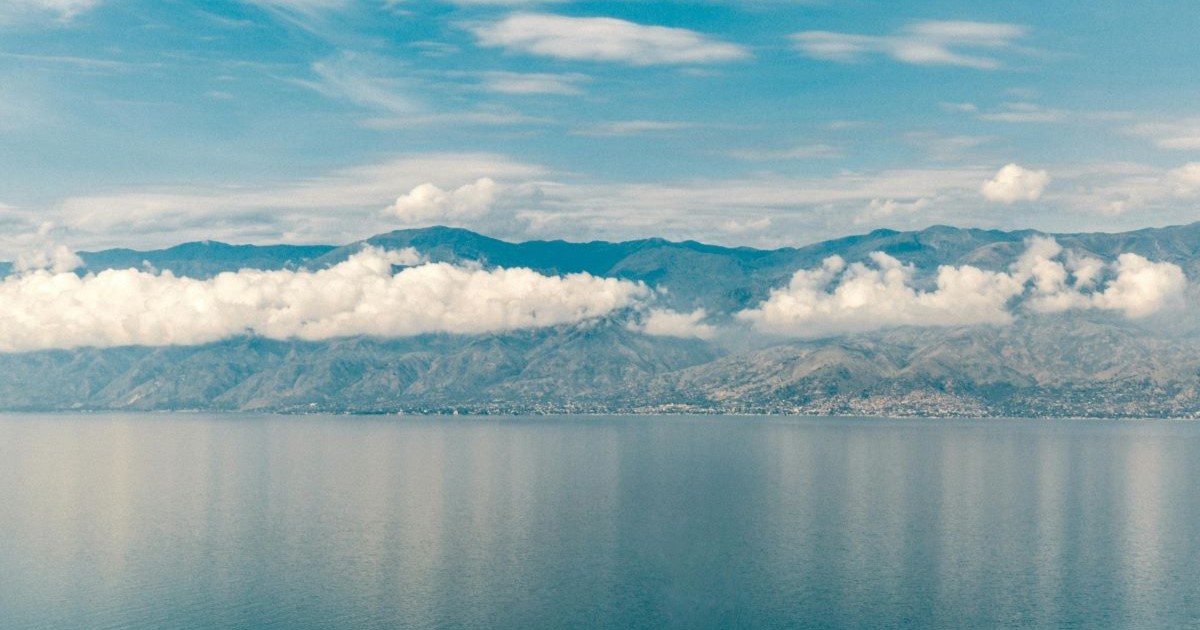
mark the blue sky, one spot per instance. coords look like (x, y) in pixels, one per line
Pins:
(144, 123)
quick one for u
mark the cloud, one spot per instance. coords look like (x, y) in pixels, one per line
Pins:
(41, 250)
(801, 152)
(362, 296)
(604, 39)
(734, 226)
(921, 43)
(1185, 180)
(341, 205)
(533, 83)
(427, 204)
(1135, 286)
(352, 77)
(880, 209)
(839, 298)
(61, 9)
(1025, 113)
(667, 323)
(946, 148)
(1178, 135)
(631, 127)
(1014, 183)
(858, 297)
(481, 118)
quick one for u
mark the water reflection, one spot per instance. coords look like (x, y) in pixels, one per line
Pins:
(196, 521)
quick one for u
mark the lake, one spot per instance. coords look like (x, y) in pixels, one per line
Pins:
(208, 521)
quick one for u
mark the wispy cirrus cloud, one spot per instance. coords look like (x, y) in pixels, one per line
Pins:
(14, 10)
(632, 127)
(798, 152)
(340, 205)
(604, 39)
(1173, 135)
(931, 42)
(534, 83)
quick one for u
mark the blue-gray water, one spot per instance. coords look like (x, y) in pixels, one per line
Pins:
(192, 521)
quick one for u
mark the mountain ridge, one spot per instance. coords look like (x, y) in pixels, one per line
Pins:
(1083, 363)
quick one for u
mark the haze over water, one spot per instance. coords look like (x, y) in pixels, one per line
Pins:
(195, 521)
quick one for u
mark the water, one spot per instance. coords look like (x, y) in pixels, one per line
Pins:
(193, 521)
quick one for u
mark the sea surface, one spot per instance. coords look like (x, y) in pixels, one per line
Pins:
(203, 521)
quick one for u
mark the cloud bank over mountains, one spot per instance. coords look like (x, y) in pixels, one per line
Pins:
(857, 297)
(46, 309)
(45, 304)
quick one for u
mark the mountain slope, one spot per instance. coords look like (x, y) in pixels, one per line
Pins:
(1077, 364)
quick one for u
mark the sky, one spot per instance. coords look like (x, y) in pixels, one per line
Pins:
(145, 123)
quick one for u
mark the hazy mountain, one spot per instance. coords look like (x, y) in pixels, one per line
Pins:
(1081, 364)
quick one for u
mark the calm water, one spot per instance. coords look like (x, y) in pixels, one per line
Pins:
(189, 521)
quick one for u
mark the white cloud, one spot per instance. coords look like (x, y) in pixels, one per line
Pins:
(840, 298)
(1025, 113)
(1013, 183)
(604, 39)
(735, 226)
(361, 296)
(1185, 180)
(881, 209)
(1137, 287)
(533, 83)
(354, 78)
(667, 323)
(61, 9)
(505, 3)
(340, 206)
(946, 148)
(968, 108)
(41, 250)
(1178, 135)
(922, 43)
(427, 204)
(801, 152)
(631, 127)
(480, 118)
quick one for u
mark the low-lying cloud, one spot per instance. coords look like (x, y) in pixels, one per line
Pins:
(668, 323)
(857, 297)
(364, 295)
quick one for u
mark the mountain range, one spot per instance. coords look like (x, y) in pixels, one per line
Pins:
(1085, 363)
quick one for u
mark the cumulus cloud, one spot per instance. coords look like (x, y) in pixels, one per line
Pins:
(362, 296)
(39, 250)
(429, 204)
(1014, 183)
(1133, 285)
(839, 297)
(604, 39)
(668, 323)
(929, 42)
